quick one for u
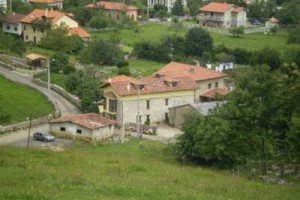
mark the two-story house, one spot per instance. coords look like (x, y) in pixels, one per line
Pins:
(168, 3)
(3, 3)
(36, 24)
(115, 10)
(49, 3)
(222, 15)
(12, 24)
(174, 85)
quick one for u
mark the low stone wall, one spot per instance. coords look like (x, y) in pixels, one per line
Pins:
(30, 72)
(73, 99)
(25, 124)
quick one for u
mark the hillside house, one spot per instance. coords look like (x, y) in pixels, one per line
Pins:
(12, 24)
(174, 85)
(222, 15)
(89, 125)
(3, 3)
(115, 10)
(36, 24)
(49, 3)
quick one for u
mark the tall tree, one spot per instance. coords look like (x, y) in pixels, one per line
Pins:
(197, 41)
(178, 9)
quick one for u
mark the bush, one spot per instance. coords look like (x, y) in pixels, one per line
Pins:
(123, 63)
(124, 71)
(98, 22)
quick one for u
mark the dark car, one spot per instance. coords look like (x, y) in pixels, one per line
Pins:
(43, 136)
(255, 22)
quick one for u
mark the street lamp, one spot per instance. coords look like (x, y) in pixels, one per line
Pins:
(48, 66)
(138, 134)
(28, 138)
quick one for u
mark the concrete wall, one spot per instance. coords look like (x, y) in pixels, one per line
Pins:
(203, 86)
(177, 115)
(33, 33)
(241, 19)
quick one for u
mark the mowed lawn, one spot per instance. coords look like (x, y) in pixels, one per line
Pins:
(134, 170)
(20, 101)
(154, 33)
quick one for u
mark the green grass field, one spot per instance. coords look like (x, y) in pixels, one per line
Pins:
(21, 101)
(144, 67)
(58, 79)
(154, 32)
(134, 170)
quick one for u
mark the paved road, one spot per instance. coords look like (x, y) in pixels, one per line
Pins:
(64, 106)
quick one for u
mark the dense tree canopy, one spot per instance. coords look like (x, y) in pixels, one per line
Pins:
(178, 9)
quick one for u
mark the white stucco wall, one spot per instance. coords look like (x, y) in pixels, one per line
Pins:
(241, 18)
(69, 22)
(12, 28)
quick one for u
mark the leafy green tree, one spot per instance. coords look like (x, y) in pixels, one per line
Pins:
(291, 55)
(74, 43)
(59, 62)
(82, 14)
(21, 7)
(294, 36)
(178, 9)
(56, 40)
(197, 41)
(268, 56)
(99, 22)
(151, 51)
(19, 47)
(236, 32)
(288, 15)
(193, 6)
(124, 71)
(160, 11)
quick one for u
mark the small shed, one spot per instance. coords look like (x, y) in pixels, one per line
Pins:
(88, 125)
(178, 114)
(36, 60)
(272, 22)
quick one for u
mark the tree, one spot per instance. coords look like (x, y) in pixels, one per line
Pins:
(160, 11)
(288, 15)
(56, 40)
(19, 47)
(268, 56)
(60, 62)
(178, 9)
(151, 51)
(82, 15)
(193, 6)
(197, 41)
(236, 32)
(294, 36)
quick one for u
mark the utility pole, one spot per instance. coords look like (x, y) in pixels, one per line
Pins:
(28, 138)
(138, 134)
(148, 10)
(48, 66)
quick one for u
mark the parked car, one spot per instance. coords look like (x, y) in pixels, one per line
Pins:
(43, 136)
(255, 22)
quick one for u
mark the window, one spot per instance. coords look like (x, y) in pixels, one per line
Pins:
(26, 37)
(148, 104)
(216, 84)
(166, 102)
(174, 84)
(33, 29)
(104, 103)
(78, 131)
(167, 117)
(62, 128)
(24, 28)
(7, 27)
(112, 105)
(209, 85)
(42, 30)
(15, 28)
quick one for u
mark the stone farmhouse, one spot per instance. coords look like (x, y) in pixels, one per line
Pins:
(36, 24)
(115, 10)
(222, 15)
(174, 85)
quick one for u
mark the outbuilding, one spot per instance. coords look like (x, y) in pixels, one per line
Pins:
(91, 125)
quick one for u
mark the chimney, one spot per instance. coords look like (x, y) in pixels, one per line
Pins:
(46, 12)
(109, 80)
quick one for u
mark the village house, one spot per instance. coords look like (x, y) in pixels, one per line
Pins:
(168, 3)
(49, 3)
(115, 10)
(174, 85)
(89, 125)
(3, 3)
(12, 24)
(222, 15)
(36, 24)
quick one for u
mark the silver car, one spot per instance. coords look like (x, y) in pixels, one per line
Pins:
(43, 136)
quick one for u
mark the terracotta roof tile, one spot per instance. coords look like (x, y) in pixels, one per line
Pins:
(217, 7)
(111, 6)
(215, 91)
(79, 31)
(90, 120)
(39, 14)
(197, 73)
(15, 19)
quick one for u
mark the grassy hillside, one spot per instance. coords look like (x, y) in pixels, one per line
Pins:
(134, 170)
(20, 101)
(154, 32)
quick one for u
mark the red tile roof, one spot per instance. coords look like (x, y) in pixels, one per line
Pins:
(39, 14)
(45, 1)
(215, 91)
(111, 6)
(90, 120)
(14, 19)
(80, 32)
(217, 7)
(238, 9)
(197, 73)
(124, 85)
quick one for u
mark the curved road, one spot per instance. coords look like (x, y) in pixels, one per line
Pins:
(64, 106)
